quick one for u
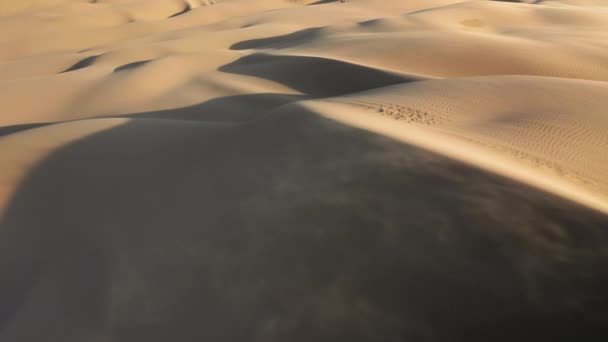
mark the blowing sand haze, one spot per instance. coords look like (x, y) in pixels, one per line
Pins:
(299, 170)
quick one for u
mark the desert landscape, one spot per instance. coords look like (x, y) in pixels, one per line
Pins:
(302, 170)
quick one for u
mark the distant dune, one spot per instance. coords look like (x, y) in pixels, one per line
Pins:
(299, 170)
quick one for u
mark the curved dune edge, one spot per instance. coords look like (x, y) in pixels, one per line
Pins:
(460, 150)
(19, 157)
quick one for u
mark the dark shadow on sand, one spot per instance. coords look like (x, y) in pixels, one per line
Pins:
(133, 65)
(290, 228)
(229, 109)
(315, 76)
(6, 130)
(321, 2)
(277, 42)
(86, 62)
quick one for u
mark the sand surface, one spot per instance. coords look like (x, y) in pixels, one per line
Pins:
(299, 170)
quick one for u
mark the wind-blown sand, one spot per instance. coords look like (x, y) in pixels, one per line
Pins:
(292, 170)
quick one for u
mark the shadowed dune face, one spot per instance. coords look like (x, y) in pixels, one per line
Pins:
(130, 66)
(303, 74)
(290, 228)
(230, 109)
(302, 170)
(82, 64)
(6, 130)
(287, 40)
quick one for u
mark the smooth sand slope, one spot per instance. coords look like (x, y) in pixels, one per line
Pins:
(291, 170)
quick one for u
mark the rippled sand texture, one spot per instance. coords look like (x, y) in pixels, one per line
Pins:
(292, 170)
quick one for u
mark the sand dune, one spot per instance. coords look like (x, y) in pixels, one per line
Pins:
(300, 170)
